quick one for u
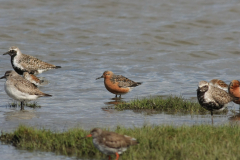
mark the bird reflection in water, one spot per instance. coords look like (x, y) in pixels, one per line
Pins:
(235, 118)
(111, 104)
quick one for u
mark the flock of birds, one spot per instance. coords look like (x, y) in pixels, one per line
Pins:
(215, 95)
(22, 85)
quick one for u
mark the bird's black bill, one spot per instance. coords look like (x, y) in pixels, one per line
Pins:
(99, 77)
(3, 77)
(6, 53)
(11, 53)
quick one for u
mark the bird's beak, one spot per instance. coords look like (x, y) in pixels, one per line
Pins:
(89, 135)
(6, 53)
(86, 136)
(99, 77)
(3, 77)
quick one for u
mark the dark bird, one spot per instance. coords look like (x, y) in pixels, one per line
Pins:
(26, 63)
(212, 98)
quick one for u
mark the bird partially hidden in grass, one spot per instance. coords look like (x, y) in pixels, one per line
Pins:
(213, 98)
(21, 89)
(110, 142)
(118, 84)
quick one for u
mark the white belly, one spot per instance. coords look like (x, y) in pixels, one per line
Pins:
(14, 93)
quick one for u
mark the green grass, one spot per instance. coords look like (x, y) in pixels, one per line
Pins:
(155, 142)
(171, 104)
(28, 104)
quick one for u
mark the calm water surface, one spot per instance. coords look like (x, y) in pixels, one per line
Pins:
(168, 45)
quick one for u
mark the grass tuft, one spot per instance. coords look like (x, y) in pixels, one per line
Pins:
(171, 104)
(155, 142)
(28, 104)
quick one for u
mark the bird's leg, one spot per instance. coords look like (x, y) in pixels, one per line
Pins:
(212, 116)
(109, 157)
(120, 96)
(116, 96)
(117, 155)
(22, 106)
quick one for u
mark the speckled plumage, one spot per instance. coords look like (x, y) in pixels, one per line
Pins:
(110, 142)
(123, 81)
(118, 84)
(212, 98)
(26, 63)
(21, 89)
(219, 83)
(32, 78)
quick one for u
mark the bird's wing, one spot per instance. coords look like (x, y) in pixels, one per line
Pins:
(114, 140)
(221, 96)
(31, 63)
(25, 86)
(123, 81)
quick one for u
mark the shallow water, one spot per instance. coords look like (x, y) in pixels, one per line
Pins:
(169, 46)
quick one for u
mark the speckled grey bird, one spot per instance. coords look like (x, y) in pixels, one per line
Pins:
(26, 63)
(110, 142)
(21, 89)
(212, 98)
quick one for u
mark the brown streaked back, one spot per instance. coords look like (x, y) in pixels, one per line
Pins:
(219, 83)
(123, 81)
(114, 140)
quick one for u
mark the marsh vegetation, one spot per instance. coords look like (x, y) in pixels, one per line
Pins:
(155, 142)
(170, 104)
(27, 104)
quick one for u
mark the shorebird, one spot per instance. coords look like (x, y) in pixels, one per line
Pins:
(26, 63)
(219, 83)
(21, 89)
(212, 98)
(118, 84)
(234, 90)
(110, 142)
(32, 78)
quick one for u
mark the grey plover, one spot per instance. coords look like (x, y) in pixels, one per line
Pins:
(21, 89)
(32, 78)
(234, 90)
(118, 84)
(212, 98)
(219, 83)
(26, 63)
(110, 142)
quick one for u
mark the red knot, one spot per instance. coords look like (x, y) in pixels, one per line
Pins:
(118, 84)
